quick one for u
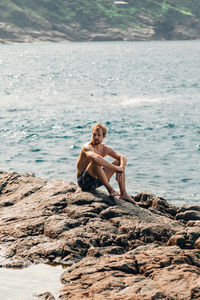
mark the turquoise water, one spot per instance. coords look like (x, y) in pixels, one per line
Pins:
(147, 93)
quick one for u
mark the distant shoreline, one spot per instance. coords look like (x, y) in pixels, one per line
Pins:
(10, 34)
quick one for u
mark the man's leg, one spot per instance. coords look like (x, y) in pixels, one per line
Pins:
(105, 174)
(123, 193)
(97, 171)
(122, 184)
(110, 172)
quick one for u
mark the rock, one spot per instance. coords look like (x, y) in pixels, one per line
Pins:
(146, 28)
(178, 240)
(193, 223)
(186, 239)
(45, 296)
(156, 203)
(188, 215)
(112, 249)
(143, 274)
(195, 293)
(197, 244)
(188, 208)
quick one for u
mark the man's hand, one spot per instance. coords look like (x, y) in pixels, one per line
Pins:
(118, 176)
(119, 173)
(120, 169)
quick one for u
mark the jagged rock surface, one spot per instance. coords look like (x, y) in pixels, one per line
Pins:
(111, 248)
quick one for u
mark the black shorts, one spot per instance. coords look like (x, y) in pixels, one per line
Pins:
(87, 182)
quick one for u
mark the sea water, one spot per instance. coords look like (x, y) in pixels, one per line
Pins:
(146, 93)
(28, 283)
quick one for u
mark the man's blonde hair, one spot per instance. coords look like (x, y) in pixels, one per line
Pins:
(100, 126)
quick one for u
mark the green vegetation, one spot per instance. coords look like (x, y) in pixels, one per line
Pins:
(88, 13)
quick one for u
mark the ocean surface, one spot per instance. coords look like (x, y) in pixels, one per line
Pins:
(146, 93)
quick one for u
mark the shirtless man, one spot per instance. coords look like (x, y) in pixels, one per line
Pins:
(93, 170)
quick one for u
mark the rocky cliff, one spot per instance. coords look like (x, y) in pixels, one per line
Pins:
(99, 20)
(150, 29)
(111, 249)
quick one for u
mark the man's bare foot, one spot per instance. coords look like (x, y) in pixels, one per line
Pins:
(113, 193)
(127, 198)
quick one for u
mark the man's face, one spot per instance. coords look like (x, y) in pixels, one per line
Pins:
(97, 136)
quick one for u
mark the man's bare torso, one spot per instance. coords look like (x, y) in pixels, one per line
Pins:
(83, 160)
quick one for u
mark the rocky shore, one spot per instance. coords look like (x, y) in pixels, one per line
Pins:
(147, 29)
(111, 249)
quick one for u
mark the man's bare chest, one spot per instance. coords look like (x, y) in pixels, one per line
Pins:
(100, 151)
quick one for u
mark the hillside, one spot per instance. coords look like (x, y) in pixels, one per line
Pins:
(83, 20)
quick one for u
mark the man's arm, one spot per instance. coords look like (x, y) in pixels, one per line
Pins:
(122, 161)
(99, 160)
(112, 153)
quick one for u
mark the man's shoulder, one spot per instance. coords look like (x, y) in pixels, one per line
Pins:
(87, 147)
(107, 148)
